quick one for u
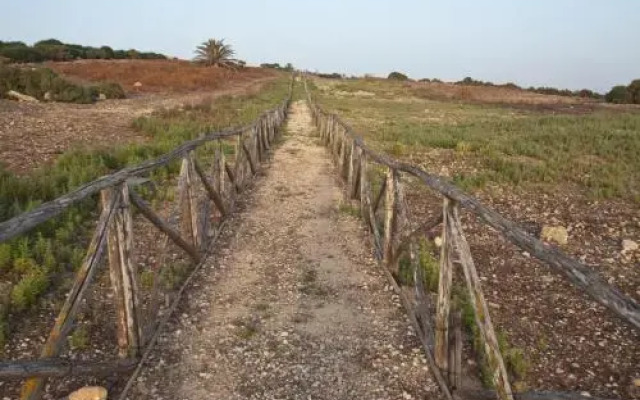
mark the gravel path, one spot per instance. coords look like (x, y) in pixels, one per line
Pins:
(292, 305)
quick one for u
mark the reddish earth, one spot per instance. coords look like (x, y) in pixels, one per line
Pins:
(157, 76)
(32, 134)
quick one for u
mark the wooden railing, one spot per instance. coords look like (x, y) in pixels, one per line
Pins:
(440, 334)
(114, 236)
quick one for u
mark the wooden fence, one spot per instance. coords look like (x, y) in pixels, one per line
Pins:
(114, 236)
(440, 334)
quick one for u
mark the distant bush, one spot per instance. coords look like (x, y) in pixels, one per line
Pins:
(287, 67)
(620, 94)
(469, 81)
(397, 76)
(333, 75)
(584, 93)
(634, 91)
(37, 82)
(55, 50)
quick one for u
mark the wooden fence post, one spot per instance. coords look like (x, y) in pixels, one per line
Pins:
(349, 161)
(122, 273)
(336, 141)
(218, 172)
(342, 155)
(391, 217)
(188, 203)
(123, 223)
(357, 169)
(455, 350)
(445, 279)
(239, 162)
(211, 191)
(364, 177)
(32, 388)
(265, 135)
(481, 310)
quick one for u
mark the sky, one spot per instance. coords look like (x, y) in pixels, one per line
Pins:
(561, 43)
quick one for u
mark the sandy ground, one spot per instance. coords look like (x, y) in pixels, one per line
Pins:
(292, 305)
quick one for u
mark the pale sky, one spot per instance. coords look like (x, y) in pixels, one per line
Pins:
(563, 43)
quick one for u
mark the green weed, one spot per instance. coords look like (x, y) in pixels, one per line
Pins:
(597, 152)
(25, 293)
(79, 339)
(32, 261)
(428, 263)
(349, 209)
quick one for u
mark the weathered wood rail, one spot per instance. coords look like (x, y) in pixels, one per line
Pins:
(114, 236)
(440, 334)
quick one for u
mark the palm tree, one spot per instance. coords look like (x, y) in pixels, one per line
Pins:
(217, 54)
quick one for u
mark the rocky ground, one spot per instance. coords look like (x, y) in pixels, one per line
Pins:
(292, 305)
(32, 134)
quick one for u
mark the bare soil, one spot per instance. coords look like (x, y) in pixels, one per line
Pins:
(32, 135)
(292, 305)
(570, 342)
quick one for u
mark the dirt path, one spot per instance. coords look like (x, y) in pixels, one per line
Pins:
(293, 306)
(34, 134)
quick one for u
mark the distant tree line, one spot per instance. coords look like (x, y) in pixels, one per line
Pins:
(584, 93)
(55, 50)
(288, 67)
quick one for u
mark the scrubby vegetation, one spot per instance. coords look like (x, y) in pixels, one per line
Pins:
(398, 76)
(584, 93)
(595, 152)
(288, 67)
(55, 50)
(44, 84)
(629, 94)
(42, 260)
(332, 75)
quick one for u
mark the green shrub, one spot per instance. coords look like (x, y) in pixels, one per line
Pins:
(618, 95)
(110, 90)
(397, 76)
(36, 82)
(426, 262)
(21, 54)
(24, 265)
(79, 339)
(5, 257)
(634, 91)
(147, 279)
(25, 293)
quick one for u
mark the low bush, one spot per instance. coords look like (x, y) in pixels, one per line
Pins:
(26, 292)
(397, 76)
(44, 84)
(618, 95)
(110, 90)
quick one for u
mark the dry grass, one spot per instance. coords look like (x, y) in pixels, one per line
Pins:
(156, 75)
(441, 91)
(486, 94)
